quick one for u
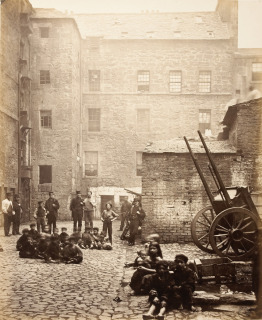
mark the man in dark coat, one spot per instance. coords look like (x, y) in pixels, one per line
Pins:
(52, 206)
(135, 217)
(76, 206)
(18, 212)
(125, 209)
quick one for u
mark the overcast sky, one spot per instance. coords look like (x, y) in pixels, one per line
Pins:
(250, 11)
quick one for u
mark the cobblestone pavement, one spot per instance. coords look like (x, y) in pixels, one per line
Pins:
(32, 289)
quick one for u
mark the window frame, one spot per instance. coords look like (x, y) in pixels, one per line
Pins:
(143, 85)
(49, 120)
(175, 82)
(204, 83)
(44, 77)
(202, 125)
(256, 76)
(90, 164)
(44, 175)
(92, 123)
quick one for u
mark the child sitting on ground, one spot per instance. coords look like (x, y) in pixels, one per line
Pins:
(42, 245)
(139, 260)
(34, 233)
(22, 240)
(53, 251)
(63, 235)
(154, 237)
(105, 243)
(87, 238)
(72, 253)
(96, 239)
(158, 287)
(56, 234)
(183, 283)
(28, 249)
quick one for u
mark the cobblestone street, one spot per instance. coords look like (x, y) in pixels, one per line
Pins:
(32, 289)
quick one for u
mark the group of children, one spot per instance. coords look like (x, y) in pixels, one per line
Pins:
(61, 247)
(168, 283)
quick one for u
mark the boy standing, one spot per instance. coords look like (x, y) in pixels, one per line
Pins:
(39, 215)
(18, 212)
(76, 206)
(89, 210)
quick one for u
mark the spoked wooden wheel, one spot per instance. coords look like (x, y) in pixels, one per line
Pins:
(233, 233)
(200, 227)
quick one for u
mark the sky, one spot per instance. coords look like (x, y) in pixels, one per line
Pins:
(250, 12)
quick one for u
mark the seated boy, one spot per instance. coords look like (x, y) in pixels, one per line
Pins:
(28, 249)
(53, 251)
(158, 286)
(42, 245)
(183, 284)
(22, 240)
(87, 238)
(105, 243)
(72, 253)
(34, 233)
(63, 235)
(96, 239)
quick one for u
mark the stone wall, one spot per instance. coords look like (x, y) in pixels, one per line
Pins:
(56, 146)
(171, 114)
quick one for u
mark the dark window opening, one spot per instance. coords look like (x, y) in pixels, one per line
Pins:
(45, 174)
(44, 76)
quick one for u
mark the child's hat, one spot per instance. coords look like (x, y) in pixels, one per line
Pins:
(181, 257)
(41, 201)
(32, 224)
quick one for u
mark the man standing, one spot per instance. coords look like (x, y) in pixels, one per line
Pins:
(135, 216)
(7, 208)
(51, 206)
(18, 212)
(76, 206)
(125, 209)
(89, 210)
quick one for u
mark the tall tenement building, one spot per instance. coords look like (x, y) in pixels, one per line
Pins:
(103, 86)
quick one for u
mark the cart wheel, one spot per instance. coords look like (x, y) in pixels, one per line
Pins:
(233, 233)
(200, 227)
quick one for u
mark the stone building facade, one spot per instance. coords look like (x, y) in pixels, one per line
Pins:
(95, 89)
(172, 192)
(56, 108)
(15, 105)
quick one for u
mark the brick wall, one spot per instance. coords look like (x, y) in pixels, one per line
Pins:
(173, 192)
(56, 146)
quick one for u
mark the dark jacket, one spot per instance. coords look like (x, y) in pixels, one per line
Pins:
(49, 205)
(76, 205)
(17, 208)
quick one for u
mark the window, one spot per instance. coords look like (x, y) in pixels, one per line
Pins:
(94, 80)
(143, 121)
(45, 174)
(204, 81)
(139, 163)
(204, 120)
(175, 81)
(44, 76)
(93, 120)
(44, 32)
(91, 163)
(257, 71)
(143, 80)
(46, 118)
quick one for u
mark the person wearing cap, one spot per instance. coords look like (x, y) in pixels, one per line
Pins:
(89, 210)
(183, 283)
(76, 206)
(63, 236)
(135, 218)
(39, 215)
(52, 206)
(72, 253)
(33, 232)
(21, 241)
(18, 212)
(8, 212)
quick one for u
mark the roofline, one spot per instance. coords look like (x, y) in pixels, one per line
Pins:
(140, 13)
(59, 18)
